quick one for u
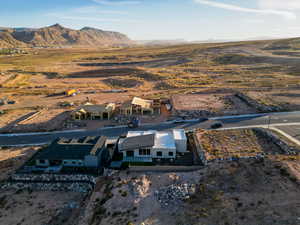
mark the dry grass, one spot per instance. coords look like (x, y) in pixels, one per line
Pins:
(230, 143)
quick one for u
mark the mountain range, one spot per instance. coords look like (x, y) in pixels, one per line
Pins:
(59, 36)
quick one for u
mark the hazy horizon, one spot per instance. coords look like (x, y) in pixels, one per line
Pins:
(191, 20)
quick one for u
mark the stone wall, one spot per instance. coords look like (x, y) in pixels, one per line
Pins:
(54, 186)
(258, 106)
(271, 137)
(50, 182)
(53, 178)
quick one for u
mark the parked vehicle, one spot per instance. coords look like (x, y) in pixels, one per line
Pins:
(134, 122)
(216, 125)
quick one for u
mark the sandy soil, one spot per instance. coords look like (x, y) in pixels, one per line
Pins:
(221, 104)
(12, 158)
(234, 143)
(133, 198)
(28, 208)
(289, 99)
(12, 116)
(245, 192)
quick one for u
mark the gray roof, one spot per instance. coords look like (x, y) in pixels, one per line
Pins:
(72, 149)
(137, 142)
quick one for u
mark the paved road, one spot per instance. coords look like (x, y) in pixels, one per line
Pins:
(293, 131)
(246, 120)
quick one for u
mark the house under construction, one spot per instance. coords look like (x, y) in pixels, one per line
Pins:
(94, 112)
(140, 106)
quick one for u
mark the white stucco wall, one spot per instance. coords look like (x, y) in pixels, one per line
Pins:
(165, 153)
(153, 153)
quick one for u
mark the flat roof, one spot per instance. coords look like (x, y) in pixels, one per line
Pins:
(179, 134)
(161, 139)
(72, 149)
(136, 142)
(164, 140)
(139, 133)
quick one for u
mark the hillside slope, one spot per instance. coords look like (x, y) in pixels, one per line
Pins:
(8, 41)
(57, 35)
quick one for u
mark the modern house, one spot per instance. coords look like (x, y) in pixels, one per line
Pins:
(149, 146)
(94, 112)
(86, 153)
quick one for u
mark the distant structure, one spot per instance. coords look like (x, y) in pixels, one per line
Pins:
(149, 146)
(71, 92)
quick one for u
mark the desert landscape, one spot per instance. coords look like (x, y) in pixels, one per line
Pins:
(132, 112)
(214, 73)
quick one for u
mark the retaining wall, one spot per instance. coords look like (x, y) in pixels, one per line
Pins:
(164, 168)
(285, 147)
(258, 106)
(50, 182)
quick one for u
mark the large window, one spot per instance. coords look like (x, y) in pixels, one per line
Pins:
(144, 152)
(171, 154)
(159, 154)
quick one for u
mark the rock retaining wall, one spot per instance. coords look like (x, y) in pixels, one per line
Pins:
(53, 178)
(50, 182)
(258, 106)
(56, 186)
(192, 114)
(285, 147)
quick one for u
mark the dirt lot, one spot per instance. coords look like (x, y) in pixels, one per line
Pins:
(245, 192)
(213, 104)
(288, 99)
(12, 158)
(44, 120)
(28, 208)
(233, 143)
(152, 71)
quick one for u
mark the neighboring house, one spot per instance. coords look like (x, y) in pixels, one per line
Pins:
(94, 112)
(140, 106)
(148, 146)
(126, 108)
(87, 152)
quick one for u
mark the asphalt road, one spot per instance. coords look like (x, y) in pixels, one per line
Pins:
(293, 131)
(32, 139)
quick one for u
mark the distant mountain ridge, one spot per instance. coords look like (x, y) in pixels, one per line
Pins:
(59, 36)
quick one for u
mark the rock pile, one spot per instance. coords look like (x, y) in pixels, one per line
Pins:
(256, 157)
(174, 193)
(53, 178)
(72, 187)
(193, 114)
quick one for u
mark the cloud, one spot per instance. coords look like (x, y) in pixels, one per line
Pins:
(262, 11)
(279, 4)
(117, 2)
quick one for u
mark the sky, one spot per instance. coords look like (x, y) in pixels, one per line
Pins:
(162, 19)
